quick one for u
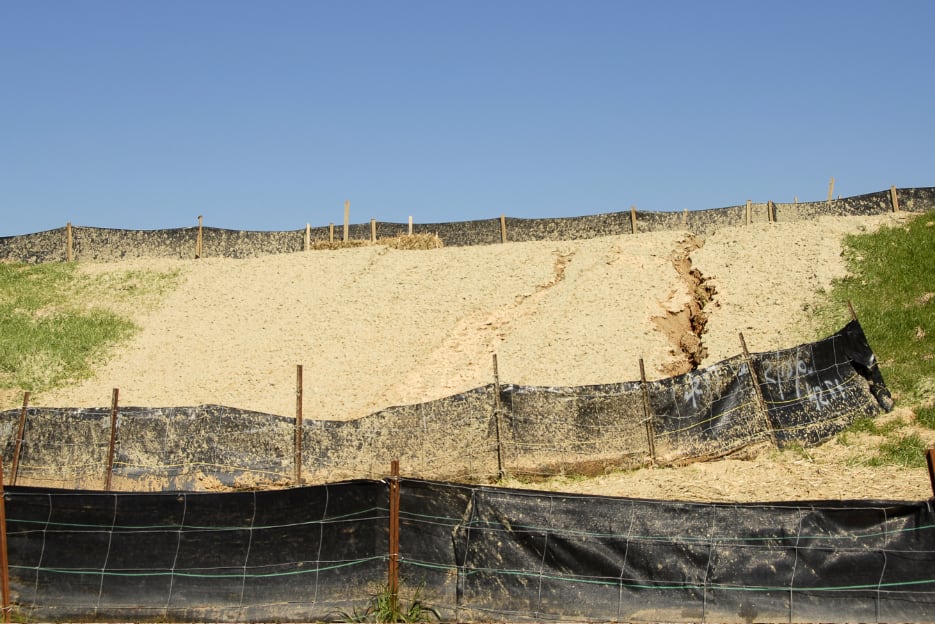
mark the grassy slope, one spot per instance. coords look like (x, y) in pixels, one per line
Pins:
(892, 288)
(56, 322)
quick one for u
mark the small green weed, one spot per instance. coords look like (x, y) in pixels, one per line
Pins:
(381, 609)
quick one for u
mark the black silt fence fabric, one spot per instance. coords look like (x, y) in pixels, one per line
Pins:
(106, 244)
(468, 553)
(305, 554)
(809, 393)
(534, 556)
(815, 390)
(707, 412)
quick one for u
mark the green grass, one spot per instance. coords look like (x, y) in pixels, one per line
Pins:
(892, 287)
(907, 451)
(381, 608)
(54, 324)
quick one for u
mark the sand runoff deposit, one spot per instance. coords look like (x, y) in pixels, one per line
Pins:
(375, 327)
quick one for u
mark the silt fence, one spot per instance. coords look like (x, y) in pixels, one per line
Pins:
(802, 395)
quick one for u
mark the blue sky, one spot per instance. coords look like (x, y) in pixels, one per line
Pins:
(268, 115)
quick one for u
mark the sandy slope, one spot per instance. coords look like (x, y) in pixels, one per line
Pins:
(375, 327)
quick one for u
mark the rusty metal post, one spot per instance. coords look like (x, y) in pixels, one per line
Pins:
(4, 559)
(393, 573)
(930, 460)
(298, 424)
(113, 440)
(647, 414)
(20, 432)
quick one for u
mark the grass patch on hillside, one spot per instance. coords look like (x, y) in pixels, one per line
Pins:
(892, 287)
(56, 322)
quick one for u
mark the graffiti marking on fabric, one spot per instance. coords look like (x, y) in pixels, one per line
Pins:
(795, 371)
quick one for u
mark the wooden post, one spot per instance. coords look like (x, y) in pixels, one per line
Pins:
(347, 218)
(199, 239)
(502, 228)
(685, 217)
(632, 219)
(410, 225)
(771, 211)
(373, 231)
(113, 440)
(930, 460)
(831, 189)
(761, 402)
(69, 243)
(850, 307)
(647, 414)
(298, 424)
(894, 199)
(393, 572)
(20, 432)
(331, 232)
(749, 210)
(795, 200)
(4, 556)
(497, 411)
(308, 236)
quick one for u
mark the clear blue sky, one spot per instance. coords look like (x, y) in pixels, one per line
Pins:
(266, 115)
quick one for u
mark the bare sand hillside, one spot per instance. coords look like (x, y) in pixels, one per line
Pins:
(374, 327)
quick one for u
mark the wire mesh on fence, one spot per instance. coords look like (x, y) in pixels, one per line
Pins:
(466, 553)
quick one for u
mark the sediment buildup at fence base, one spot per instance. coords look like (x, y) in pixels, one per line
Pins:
(104, 244)
(800, 395)
(468, 553)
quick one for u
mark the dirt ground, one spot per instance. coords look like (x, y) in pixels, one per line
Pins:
(374, 327)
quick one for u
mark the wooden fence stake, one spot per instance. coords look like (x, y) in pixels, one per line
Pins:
(647, 414)
(831, 189)
(771, 211)
(761, 402)
(632, 219)
(850, 307)
(199, 241)
(502, 228)
(69, 243)
(331, 232)
(298, 424)
(113, 440)
(749, 210)
(498, 415)
(894, 199)
(4, 556)
(347, 218)
(930, 460)
(373, 231)
(308, 236)
(393, 572)
(410, 225)
(20, 432)
(685, 217)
